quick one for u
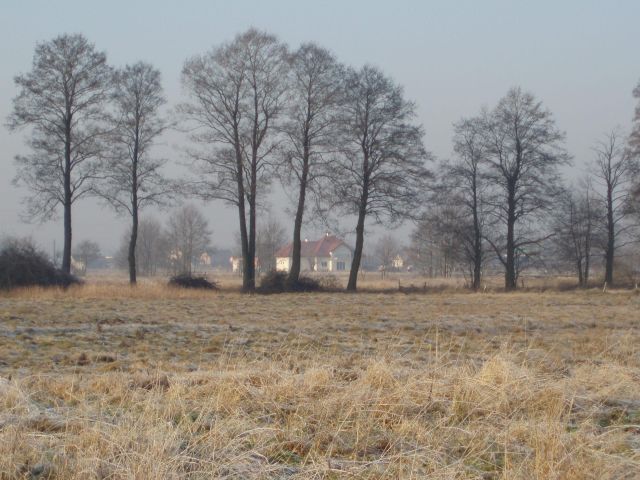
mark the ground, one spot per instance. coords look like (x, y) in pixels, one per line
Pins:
(105, 382)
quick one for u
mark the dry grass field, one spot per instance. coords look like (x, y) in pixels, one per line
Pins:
(104, 382)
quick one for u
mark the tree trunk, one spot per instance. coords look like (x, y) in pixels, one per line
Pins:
(66, 250)
(477, 270)
(249, 277)
(244, 241)
(587, 261)
(244, 237)
(580, 272)
(132, 247)
(510, 280)
(352, 285)
(294, 273)
(134, 216)
(357, 252)
(611, 239)
(477, 242)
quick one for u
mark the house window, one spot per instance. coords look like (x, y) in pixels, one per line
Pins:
(340, 265)
(324, 264)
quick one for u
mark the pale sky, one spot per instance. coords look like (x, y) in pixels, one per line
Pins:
(579, 57)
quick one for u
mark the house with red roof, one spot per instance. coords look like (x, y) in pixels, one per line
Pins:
(329, 254)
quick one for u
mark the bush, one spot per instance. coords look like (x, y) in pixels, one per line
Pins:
(307, 284)
(188, 280)
(275, 281)
(23, 265)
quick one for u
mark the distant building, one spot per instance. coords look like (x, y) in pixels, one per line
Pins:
(329, 254)
(204, 259)
(398, 262)
(236, 264)
(78, 266)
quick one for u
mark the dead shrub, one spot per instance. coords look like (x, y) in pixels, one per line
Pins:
(189, 280)
(275, 281)
(23, 265)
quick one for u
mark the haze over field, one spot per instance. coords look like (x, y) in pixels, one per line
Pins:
(575, 56)
(335, 239)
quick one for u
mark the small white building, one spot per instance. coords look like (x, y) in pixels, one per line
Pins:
(204, 259)
(329, 254)
(398, 262)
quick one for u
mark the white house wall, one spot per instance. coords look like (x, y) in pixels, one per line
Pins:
(341, 254)
(283, 264)
(319, 264)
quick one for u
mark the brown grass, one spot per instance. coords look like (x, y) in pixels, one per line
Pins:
(108, 382)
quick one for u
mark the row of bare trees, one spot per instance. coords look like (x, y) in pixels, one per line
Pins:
(92, 129)
(503, 197)
(175, 246)
(346, 138)
(342, 141)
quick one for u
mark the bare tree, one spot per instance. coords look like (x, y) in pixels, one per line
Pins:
(316, 81)
(438, 242)
(614, 169)
(237, 92)
(522, 151)
(422, 248)
(152, 246)
(133, 179)
(62, 98)
(382, 168)
(386, 250)
(462, 190)
(576, 221)
(188, 236)
(87, 251)
(270, 237)
(152, 249)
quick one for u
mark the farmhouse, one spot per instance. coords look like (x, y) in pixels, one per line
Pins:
(329, 254)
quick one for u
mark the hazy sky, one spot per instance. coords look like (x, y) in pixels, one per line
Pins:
(579, 57)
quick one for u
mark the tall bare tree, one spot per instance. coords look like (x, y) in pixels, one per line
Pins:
(523, 150)
(315, 90)
(382, 168)
(463, 190)
(422, 248)
(614, 170)
(87, 251)
(62, 98)
(386, 249)
(188, 236)
(576, 221)
(237, 93)
(132, 175)
(443, 236)
(152, 247)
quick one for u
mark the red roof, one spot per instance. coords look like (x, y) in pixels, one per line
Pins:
(315, 248)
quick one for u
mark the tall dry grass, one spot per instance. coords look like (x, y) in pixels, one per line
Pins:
(108, 382)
